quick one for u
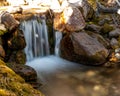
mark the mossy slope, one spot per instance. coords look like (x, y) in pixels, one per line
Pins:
(12, 84)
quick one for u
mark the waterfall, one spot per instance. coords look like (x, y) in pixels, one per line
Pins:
(58, 37)
(36, 36)
(50, 69)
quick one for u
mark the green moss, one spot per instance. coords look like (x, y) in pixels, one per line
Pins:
(3, 32)
(98, 57)
(4, 92)
(92, 3)
(12, 84)
(107, 28)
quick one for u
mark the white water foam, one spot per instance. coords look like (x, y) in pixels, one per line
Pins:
(48, 65)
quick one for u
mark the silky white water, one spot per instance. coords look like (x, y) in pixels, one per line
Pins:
(50, 65)
(58, 37)
(36, 36)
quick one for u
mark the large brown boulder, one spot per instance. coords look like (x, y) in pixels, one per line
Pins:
(83, 48)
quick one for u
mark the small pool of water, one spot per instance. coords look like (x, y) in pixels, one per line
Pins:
(64, 78)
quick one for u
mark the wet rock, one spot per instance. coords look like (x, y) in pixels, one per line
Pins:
(114, 43)
(8, 20)
(88, 11)
(2, 53)
(83, 48)
(26, 72)
(18, 57)
(12, 84)
(70, 19)
(73, 19)
(100, 38)
(93, 28)
(115, 33)
(17, 41)
(103, 20)
(82, 5)
(107, 28)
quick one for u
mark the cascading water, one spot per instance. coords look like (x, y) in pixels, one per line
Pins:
(58, 37)
(58, 76)
(36, 36)
(37, 51)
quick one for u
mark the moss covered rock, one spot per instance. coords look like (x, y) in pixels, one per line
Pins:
(13, 85)
(107, 28)
(92, 3)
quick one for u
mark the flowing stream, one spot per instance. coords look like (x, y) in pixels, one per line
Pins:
(59, 76)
